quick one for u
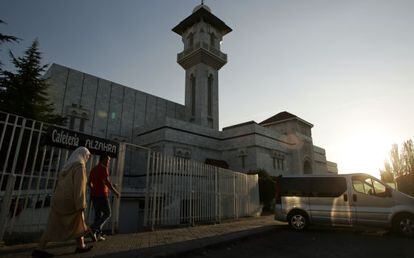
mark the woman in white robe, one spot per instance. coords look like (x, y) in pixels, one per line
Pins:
(66, 217)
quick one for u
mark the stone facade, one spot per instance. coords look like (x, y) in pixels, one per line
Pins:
(281, 145)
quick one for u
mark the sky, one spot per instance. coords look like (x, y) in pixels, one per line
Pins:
(347, 67)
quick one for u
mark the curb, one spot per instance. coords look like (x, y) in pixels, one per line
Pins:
(187, 247)
(221, 240)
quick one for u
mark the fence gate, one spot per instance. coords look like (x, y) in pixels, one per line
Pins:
(28, 173)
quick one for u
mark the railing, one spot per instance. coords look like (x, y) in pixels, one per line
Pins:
(180, 191)
(176, 191)
(205, 46)
(28, 175)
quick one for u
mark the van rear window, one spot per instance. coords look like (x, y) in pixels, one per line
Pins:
(328, 186)
(313, 186)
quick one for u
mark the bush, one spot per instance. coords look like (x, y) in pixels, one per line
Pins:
(266, 189)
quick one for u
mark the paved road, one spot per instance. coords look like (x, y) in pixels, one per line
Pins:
(322, 242)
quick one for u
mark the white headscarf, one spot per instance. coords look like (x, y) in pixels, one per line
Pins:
(79, 155)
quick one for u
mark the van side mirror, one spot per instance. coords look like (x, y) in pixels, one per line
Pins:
(388, 192)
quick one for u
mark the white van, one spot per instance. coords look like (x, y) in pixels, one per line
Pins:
(342, 200)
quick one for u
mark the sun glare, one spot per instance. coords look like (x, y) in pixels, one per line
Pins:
(365, 151)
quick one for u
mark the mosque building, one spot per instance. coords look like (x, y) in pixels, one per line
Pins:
(281, 144)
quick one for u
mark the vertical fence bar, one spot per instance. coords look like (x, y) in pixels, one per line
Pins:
(39, 178)
(52, 152)
(6, 161)
(6, 204)
(147, 190)
(4, 130)
(170, 192)
(23, 173)
(179, 184)
(152, 185)
(197, 191)
(189, 168)
(174, 195)
(216, 194)
(120, 176)
(184, 182)
(162, 189)
(154, 205)
(159, 189)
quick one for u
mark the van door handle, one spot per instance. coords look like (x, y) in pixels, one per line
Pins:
(354, 197)
(345, 197)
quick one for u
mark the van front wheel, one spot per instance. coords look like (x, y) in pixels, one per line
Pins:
(298, 221)
(404, 225)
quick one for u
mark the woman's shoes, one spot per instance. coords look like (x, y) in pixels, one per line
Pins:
(41, 254)
(91, 234)
(83, 249)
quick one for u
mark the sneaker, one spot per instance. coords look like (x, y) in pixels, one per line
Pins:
(93, 236)
(101, 238)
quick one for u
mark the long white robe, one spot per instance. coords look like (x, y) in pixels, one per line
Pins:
(66, 217)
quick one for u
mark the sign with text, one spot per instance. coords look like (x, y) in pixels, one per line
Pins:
(64, 138)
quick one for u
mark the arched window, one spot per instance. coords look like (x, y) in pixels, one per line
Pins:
(193, 94)
(190, 39)
(212, 40)
(210, 95)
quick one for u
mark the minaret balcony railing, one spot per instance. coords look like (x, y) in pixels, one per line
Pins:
(204, 46)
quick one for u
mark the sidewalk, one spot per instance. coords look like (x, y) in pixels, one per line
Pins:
(164, 242)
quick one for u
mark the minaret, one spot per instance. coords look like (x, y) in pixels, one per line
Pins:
(201, 58)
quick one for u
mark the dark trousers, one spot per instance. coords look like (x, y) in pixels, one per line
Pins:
(102, 212)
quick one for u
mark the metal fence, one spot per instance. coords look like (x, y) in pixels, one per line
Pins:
(28, 175)
(173, 190)
(181, 191)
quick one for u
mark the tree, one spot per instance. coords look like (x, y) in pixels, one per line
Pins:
(26, 90)
(386, 175)
(401, 167)
(267, 188)
(395, 161)
(6, 39)
(407, 157)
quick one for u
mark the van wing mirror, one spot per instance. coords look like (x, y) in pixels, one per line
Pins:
(389, 192)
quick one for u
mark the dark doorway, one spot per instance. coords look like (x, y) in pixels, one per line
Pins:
(307, 167)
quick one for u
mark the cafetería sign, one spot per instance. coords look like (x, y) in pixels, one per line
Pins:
(68, 139)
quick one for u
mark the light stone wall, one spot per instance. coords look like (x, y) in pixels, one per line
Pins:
(258, 144)
(121, 113)
(90, 86)
(332, 167)
(319, 164)
(168, 135)
(114, 110)
(201, 72)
